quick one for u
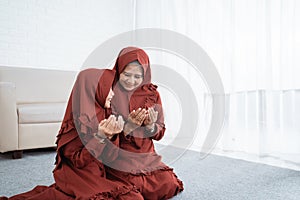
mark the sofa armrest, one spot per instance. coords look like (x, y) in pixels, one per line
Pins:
(9, 117)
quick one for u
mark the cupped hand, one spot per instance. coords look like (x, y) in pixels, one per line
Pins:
(151, 117)
(111, 126)
(137, 117)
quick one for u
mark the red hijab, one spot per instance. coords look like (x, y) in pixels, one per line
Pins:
(85, 107)
(142, 97)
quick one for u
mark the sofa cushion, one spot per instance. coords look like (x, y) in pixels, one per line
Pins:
(41, 112)
(39, 85)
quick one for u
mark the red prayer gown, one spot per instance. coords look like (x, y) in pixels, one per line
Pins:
(137, 162)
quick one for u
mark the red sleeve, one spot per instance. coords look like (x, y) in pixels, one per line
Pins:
(81, 155)
(77, 154)
(95, 146)
(107, 151)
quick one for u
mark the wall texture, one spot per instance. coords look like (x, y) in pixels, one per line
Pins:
(58, 33)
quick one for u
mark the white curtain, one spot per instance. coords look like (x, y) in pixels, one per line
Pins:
(255, 45)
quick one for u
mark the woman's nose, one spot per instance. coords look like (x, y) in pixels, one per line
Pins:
(130, 80)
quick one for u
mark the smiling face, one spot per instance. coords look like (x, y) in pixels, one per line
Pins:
(131, 77)
(108, 98)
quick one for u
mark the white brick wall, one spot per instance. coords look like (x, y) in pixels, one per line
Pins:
(58, 33)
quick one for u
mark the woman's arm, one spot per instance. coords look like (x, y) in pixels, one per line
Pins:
(77, 154)
(100, 145)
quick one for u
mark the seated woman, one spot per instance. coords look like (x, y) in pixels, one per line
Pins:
(138, 101)
(82, 141)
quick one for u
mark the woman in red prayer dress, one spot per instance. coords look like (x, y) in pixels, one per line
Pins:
(138, 101)
(82, 142)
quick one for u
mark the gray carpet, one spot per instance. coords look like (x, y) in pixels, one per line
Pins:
(214, 177)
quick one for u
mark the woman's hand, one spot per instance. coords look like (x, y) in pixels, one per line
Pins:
(151, 118)
(111, 126)
(137, 117)
(135, 120)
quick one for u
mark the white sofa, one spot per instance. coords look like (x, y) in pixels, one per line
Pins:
(32, 106)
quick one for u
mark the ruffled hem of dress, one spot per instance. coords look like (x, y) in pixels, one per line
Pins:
(114, 194)
(150, 171)
(180, 183)
(159, 169)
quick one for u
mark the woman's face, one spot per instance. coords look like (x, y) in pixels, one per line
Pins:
(108, 98)
(131, 77)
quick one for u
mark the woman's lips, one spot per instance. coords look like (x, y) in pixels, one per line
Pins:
(129, 85)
